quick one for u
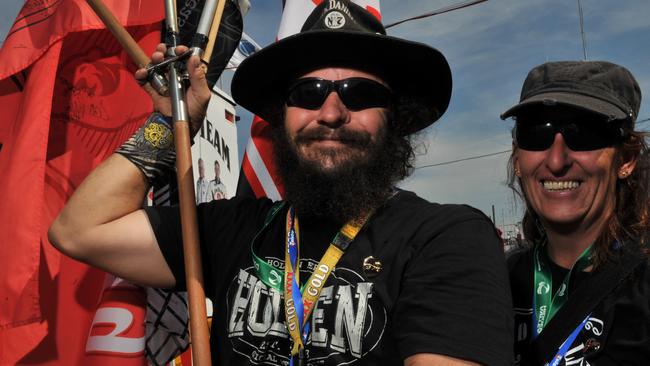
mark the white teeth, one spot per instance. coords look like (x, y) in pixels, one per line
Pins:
(560, 186)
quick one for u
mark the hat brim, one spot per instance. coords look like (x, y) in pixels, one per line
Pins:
(413, 70)
(578, 101)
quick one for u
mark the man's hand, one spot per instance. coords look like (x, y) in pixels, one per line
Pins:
(197, 96)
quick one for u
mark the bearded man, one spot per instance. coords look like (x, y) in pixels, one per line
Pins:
(349, 269)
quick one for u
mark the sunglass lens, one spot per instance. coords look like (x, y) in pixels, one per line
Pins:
(578, 136)
(586, 136)
(308, 94)
(535, 136)
(360, 93)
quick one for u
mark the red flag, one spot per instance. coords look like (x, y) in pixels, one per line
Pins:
(258, 175)
(68, 102)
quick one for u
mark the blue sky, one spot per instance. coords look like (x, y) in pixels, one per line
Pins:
(490, 47)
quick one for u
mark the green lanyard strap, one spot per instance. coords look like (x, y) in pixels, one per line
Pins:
(269, 275)
(545, 303)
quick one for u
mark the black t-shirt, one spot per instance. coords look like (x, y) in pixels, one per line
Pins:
(442, 287)
(617, 332)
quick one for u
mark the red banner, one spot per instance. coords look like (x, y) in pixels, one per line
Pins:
(41, 23)
(70, 104)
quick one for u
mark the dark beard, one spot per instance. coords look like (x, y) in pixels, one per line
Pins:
(355, 186)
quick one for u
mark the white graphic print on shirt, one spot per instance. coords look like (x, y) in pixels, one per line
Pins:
(346, 323)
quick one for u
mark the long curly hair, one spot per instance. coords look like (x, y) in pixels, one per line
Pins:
(629, 224)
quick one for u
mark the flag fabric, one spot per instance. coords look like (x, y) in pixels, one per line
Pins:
(68, 102)
(247, 46)
(41, 23)
(167, 325)
(258, 176)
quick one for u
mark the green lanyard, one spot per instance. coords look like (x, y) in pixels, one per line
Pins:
(546, 304)
(269, 275)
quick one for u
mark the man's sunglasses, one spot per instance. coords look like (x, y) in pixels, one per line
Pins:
(538, 135)
(356, 93)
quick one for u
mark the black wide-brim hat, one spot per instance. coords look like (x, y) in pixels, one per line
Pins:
(342, 34)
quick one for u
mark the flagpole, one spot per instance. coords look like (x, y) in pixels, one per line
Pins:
(199, 332)
(128, 43)
(214, 30)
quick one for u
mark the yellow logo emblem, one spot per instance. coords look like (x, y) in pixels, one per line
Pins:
(158, 135)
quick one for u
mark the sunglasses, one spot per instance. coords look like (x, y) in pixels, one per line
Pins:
(356, 93)
(538, 135)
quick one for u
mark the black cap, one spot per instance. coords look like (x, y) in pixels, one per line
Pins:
(600, 87)
(340, 33)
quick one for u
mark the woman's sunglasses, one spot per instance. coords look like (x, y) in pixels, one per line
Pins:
(356, 93)
(585, 135)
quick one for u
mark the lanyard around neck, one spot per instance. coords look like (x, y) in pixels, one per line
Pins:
(545, 303)
(310, 292)
(298, 304)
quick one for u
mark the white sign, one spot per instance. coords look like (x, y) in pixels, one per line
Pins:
(215, 153)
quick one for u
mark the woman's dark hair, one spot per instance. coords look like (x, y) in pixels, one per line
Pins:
(630, 222)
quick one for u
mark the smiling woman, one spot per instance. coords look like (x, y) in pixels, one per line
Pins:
(582, 171)
(569, 185)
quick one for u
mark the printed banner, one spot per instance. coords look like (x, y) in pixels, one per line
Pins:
(68, 101)
(215, 151)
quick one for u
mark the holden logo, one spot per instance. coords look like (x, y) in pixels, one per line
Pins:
(543, 288)
(274, 278)
(334, 20)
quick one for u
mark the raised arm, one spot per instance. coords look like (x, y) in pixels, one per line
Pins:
(103, 223)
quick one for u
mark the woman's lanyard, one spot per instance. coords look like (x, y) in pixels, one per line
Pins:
(299, 303)
(546, 304)
(564, 348)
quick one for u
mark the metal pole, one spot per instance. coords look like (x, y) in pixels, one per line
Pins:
(199, 332)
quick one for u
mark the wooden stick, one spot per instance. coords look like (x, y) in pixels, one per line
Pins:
(128, 43)
(130, 46)
(214, 30)
(199, 331)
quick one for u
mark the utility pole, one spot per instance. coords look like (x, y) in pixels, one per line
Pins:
(582, 32)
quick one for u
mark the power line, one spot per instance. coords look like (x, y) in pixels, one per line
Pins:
(464, 159)
(436, 12)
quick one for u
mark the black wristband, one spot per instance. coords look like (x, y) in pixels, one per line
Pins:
(151, 148)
